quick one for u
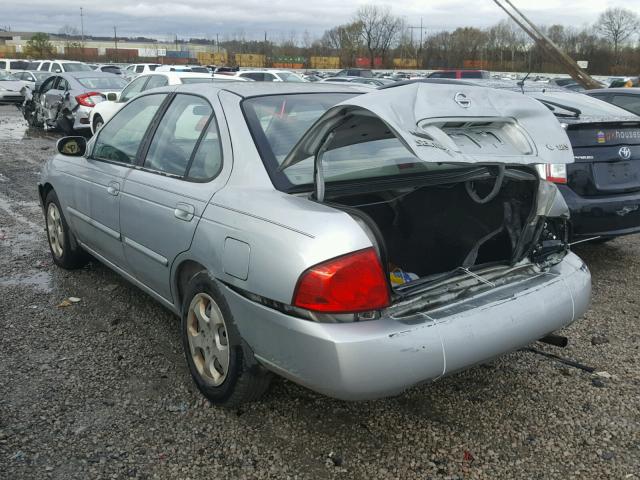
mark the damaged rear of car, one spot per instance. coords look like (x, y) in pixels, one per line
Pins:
(468, 252)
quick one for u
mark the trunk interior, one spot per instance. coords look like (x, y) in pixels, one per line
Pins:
(430, 230)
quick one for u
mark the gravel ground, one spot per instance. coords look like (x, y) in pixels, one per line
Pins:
(100, 389)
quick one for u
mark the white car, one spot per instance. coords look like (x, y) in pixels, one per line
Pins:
(12, 65)
(63, 66)
(103, 111)
(269, 76)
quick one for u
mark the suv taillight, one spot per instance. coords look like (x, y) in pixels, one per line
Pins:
(90, 99)
(555, 172)
(348, 284)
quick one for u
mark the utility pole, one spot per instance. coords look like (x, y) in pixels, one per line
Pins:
(82, 30)
(419, 49)
(217, 43)
(115, 40)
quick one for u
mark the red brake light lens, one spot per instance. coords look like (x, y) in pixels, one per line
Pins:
(348, 284)
(90, 99)
(556, 173)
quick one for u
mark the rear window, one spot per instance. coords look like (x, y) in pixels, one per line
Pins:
(289, 77)
(278, 122)
(18, 65)
(588, 106)
(471, 75)
(443, 75)
(111, 69)
(77, 67)
(105, 83)
(188, 81)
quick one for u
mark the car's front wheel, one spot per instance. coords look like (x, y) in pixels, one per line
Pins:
(64, 250)
(97, 123)
(221, 364)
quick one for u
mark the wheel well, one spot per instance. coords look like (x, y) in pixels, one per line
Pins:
(44, 190)
(186, 270)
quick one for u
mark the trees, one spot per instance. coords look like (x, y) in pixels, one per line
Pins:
(39, 46)
(379, 29)
(617, 25)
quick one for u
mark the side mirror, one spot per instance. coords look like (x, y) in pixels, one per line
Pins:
(112, 96)
(57, 70)
(72, 146)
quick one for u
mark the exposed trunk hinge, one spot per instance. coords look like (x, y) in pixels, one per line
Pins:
(318, 170)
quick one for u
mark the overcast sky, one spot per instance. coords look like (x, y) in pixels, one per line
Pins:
(205, 18)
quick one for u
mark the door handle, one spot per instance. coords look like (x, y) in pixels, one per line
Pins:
(113, 188)
(184, 211)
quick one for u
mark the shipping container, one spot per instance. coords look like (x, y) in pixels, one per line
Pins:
(212, 58)
(324, 62)
(121, 54)
(405, 63)
(254, 60)
(178, 54)
(365, 62)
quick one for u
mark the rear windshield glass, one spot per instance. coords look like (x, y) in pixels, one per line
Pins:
(289, 77)
(588, 106)
(77, 67)
(107, 82)
(111, 69)
(277, 123)
(187, 81)
(153, 67)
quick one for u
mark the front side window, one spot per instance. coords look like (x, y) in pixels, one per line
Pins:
(139, 68)
(133, 89)
(3, 64)
(290, 77)
(57, 68)
(120, 139)
(62, 84)
(177, 135)
(45, 66)
(48, 84)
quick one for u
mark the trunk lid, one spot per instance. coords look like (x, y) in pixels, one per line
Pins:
(607, 156)
(440, 123)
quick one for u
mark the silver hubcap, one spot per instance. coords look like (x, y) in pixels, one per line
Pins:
(208, 343)
(99, 124)
(55, 230)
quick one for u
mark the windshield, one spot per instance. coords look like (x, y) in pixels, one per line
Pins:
(76, 67)
(587, 106)
(41, 76)
(107, 82)
(290, 77)
(4, 75)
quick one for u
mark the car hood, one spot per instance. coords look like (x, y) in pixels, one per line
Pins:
(443, 123)
(12, 85)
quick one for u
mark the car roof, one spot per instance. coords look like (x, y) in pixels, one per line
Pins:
(258, 89)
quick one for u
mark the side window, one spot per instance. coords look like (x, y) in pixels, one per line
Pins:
(120, 139)
(258, 77)
(62, 85)
(48, 84)
(45, 66)
(269, 77)
(156, 81)
(3, 65)
(177, 135)
(471, 75)
(207, 161)
(57, 68)
(139, 68)
(133, 89)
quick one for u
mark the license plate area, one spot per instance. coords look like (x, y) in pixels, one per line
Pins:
(617, 175)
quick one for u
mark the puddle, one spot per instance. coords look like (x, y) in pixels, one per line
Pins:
(35, 279)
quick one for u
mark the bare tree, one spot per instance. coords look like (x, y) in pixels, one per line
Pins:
(617, 25)
(379, 29)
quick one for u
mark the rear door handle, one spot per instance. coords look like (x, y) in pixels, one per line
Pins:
(113, 188)
(184, 211)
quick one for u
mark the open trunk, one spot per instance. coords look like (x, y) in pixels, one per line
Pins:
(425, 231)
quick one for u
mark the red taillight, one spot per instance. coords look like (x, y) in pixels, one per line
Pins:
(556, 173)
(352, 283)
(90, 99)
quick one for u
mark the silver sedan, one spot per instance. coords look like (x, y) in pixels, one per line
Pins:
(355, 243)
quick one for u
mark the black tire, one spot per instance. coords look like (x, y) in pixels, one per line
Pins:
(72, 256)
(246, 380)
(97, 123)
(65, 124)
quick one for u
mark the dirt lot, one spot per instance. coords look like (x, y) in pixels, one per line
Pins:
(100, 389)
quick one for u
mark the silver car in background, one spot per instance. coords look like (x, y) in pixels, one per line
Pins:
(64, 101)
(357, 244)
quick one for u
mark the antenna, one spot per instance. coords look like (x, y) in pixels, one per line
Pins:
(579, 75)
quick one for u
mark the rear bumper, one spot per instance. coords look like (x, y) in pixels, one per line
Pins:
(606, 216)
(81, 118)
(7, 97)
(373, 359)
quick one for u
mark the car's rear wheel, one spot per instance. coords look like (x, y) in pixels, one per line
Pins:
(221, 364)
(64, 249)
(97, 123)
